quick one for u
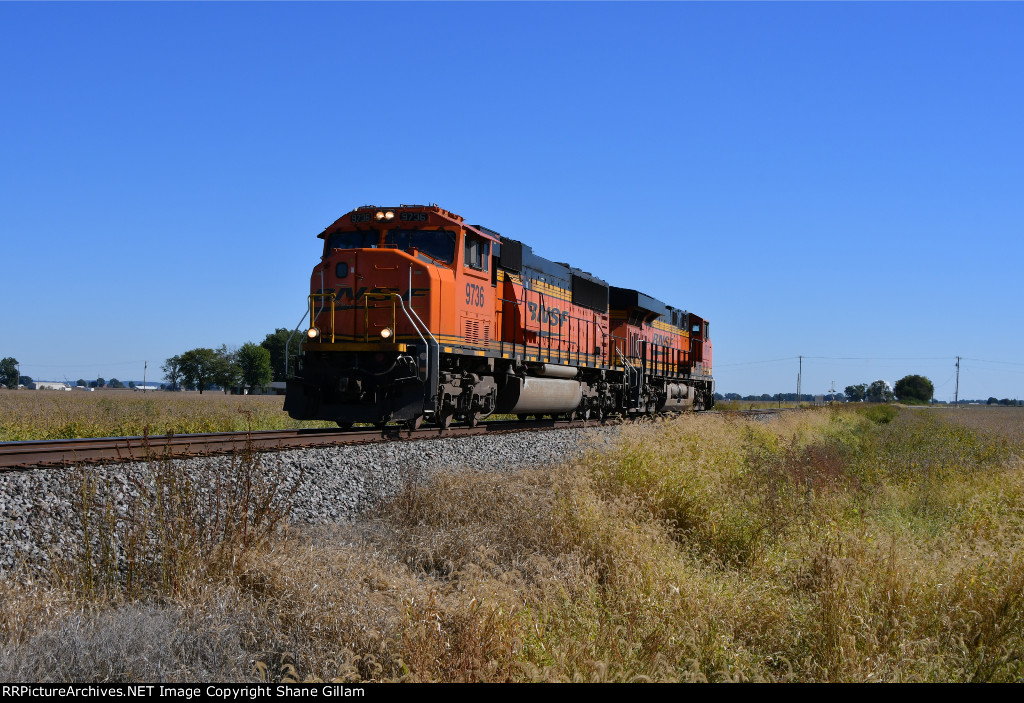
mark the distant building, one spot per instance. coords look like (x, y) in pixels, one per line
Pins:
(145, 388)
(84, 388)
(49, 386)
(272, 388)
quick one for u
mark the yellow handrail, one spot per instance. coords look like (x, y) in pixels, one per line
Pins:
(366, 313)
(313, 315)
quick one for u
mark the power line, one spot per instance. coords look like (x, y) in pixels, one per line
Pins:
(880, 358)
(750, 363)
(990, 361)
(839, 358)
(92, 365)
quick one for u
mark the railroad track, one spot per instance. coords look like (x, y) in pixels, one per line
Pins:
(62, 452)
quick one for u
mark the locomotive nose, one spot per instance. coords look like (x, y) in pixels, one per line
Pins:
(341, 265)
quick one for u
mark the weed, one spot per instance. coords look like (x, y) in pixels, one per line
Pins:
(820, 546)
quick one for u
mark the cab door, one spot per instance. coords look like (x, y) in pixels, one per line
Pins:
(474, 293)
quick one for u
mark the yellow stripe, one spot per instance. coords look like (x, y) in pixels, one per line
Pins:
(665, 327)
(353, 346)
(552, 290)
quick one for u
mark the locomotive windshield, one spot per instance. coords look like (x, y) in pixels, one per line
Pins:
(439, 244)
(353, 240)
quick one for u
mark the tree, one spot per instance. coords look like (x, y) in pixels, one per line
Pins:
(131, 384)
(98, 383)
(81, 382)
(198, 367)
(914, 388)
(879, 392)
(9, 372)
(225, 369)
(114, 383)
(254, 364)
(275, 344)
(172, 371)
(25, 381)
(856, 394)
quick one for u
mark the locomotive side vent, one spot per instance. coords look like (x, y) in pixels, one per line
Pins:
(478, 332)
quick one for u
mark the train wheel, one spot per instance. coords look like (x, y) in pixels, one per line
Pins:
(473, 419)
(522, 417)
(415, 423)
(345, 425)
(380, 426)
(445, 421)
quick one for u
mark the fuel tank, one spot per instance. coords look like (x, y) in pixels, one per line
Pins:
(553, 370)
(527, 396)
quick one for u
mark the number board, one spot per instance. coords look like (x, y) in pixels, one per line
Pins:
(413, 216)
(361, 217)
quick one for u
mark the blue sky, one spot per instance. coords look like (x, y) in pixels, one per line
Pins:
(839, 181)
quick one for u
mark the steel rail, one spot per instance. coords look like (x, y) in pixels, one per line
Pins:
(100, 450)
(66, 452)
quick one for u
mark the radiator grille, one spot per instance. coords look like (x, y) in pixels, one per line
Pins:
(478, 332)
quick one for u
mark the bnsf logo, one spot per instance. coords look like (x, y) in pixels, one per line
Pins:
(664, 340)
(546, 315)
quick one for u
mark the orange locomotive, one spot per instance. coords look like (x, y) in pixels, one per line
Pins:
(415, 315)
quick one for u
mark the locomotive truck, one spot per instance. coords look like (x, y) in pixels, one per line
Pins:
(416, 316)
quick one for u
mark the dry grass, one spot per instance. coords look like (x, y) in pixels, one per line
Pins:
(26, 415)
(824, 546)
(1005, 421)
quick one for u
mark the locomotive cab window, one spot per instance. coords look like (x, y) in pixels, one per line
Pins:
(476, 253)
(353, 240)
(438, 245)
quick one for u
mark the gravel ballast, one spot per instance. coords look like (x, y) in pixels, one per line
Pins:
(335, 484)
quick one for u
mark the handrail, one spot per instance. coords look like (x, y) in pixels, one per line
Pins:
(366, 312)
(415, 328)
(289, 341)
(632, 372)
(312, 319)
(432, 370)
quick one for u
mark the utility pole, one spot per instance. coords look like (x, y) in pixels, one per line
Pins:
(956, 393)
(799, 378)
(144, 365)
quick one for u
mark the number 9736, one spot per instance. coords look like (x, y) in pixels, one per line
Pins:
(474, 295)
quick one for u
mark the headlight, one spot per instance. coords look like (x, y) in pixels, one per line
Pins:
(379, 215)
(389, 215)
(386, 333)
(312, 333)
